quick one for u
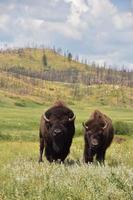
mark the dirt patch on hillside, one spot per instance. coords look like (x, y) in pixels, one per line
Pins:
(119, 140)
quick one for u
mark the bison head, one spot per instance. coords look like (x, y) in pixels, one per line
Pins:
(60, 126)
(94, 133)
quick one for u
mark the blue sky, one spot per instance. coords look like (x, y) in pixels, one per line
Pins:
(99, 30)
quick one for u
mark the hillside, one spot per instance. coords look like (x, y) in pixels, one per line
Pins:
(23, 74)
(49, 64)
(23, 99)
(40, 91)
(32, 58)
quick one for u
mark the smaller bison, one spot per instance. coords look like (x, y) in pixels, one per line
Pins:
(56, 132)
(98, 135)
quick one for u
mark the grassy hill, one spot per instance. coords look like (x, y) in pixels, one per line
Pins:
(23, 74)
(30, 61)
(26, 92)
(32, 58)
(40, 91)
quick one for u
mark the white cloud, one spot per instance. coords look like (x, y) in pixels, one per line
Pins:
(108, 33)
(123, 21)
(102, 8)
(61, 28)
(31, 24)
(78, 7)
(4, 20)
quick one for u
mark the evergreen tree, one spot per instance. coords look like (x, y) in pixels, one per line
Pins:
(44, 60)
(69, 57)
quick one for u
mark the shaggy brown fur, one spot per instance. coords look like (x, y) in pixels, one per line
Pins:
(98, 135)
(56, 132)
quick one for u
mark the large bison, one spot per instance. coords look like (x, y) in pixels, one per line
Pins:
(56, 132)
(98, 135)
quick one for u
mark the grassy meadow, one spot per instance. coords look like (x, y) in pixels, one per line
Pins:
(21, 176)
(22, 122)
(22, 101)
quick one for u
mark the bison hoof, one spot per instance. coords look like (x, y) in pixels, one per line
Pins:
(40, 161)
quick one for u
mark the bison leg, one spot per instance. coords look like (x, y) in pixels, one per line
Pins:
(48, 153)
(88, 155)
(41, 149)
(64, 156)
(88, 159)
(91, 154)
(100, 157)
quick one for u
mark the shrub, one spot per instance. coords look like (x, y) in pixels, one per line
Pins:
(5, 137)
(20, 103)
(121, 128)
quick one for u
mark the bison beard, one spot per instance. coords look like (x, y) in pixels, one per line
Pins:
(56, 132)
(98, 136)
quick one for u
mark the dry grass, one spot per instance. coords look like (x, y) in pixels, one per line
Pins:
(22, 177)
(32, 59)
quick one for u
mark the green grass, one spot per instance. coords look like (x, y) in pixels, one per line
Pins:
(22, 123)
(21, 176)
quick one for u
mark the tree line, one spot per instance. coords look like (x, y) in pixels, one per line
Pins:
(94, 75)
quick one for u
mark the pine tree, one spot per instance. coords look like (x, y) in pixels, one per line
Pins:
(44, 60)
(69, 57)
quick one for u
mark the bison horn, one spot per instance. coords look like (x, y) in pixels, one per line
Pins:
(72, 119)
(105, 126)
(84, 125)
(45, 118)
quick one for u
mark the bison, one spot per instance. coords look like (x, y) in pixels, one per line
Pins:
(98, 135)
(56, 132)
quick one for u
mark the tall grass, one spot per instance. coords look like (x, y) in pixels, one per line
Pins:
(27, 180)
(21, 176)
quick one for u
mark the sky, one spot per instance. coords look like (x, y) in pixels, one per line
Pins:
(99, 30)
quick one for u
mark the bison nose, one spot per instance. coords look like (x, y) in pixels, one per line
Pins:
(57, 131)
(94, 142)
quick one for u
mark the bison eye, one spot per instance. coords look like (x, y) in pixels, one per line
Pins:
(65, 122)
(89, 132)
(48, 124)
(100, 132)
